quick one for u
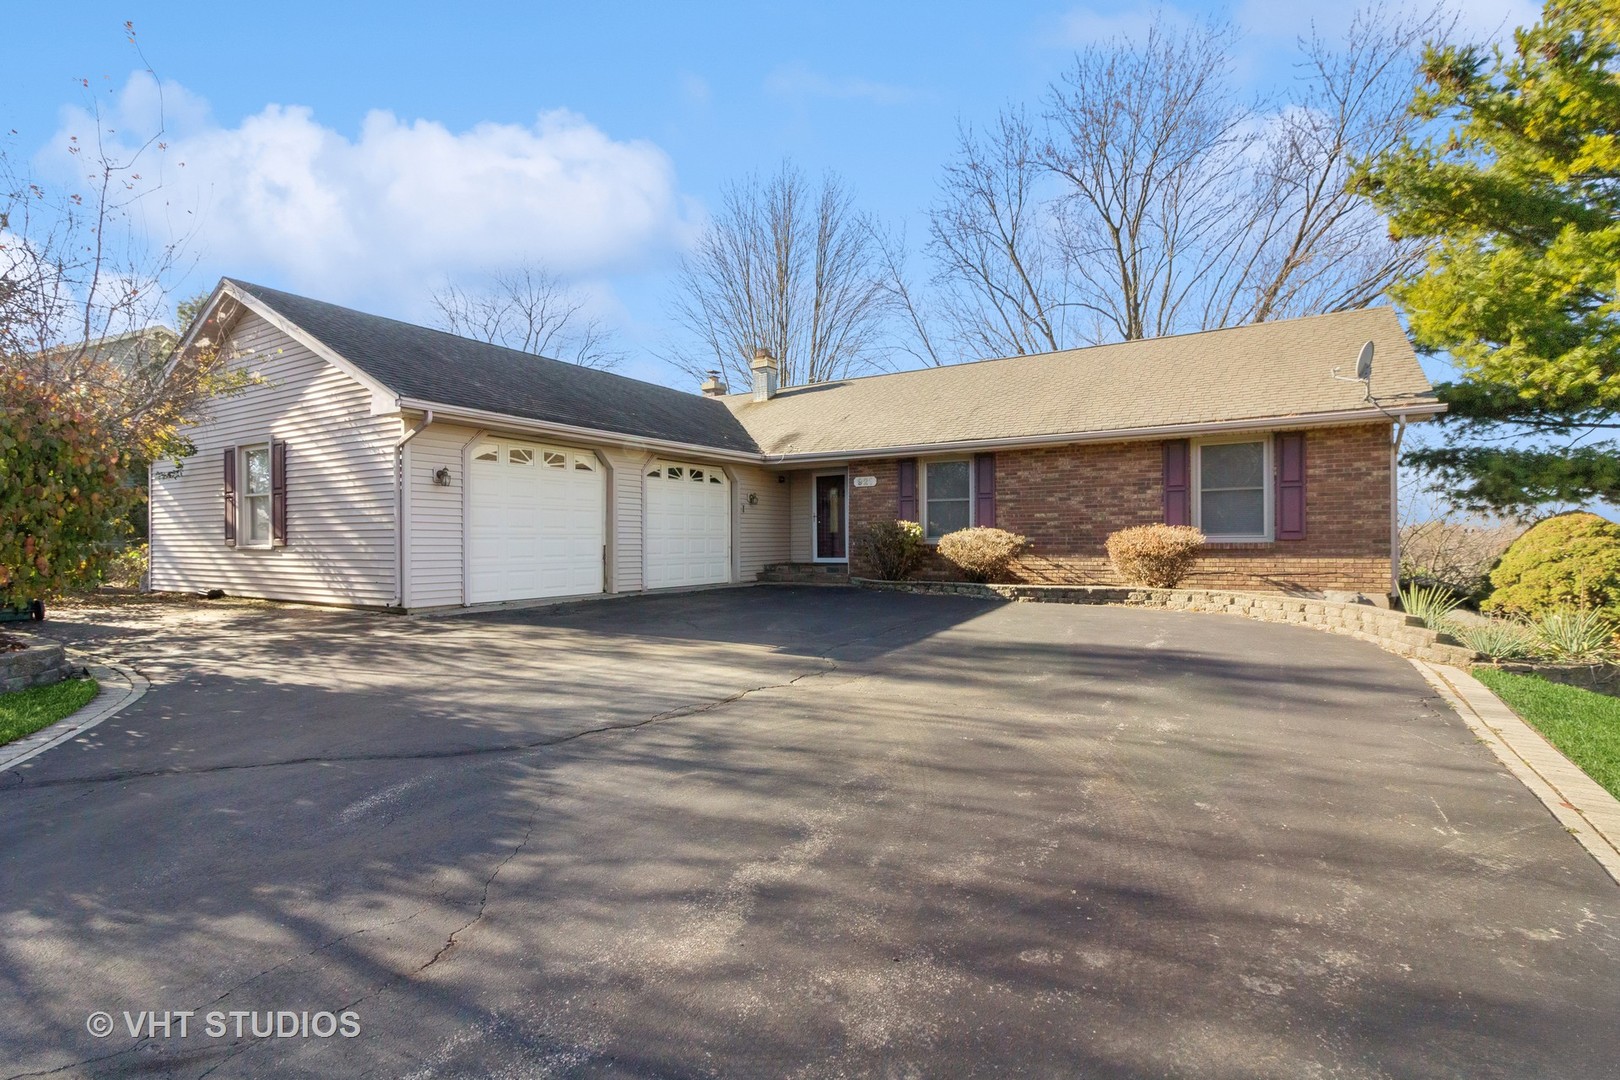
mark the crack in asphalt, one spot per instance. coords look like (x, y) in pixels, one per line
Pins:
(696, 709)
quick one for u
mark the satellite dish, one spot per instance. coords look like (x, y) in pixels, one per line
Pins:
(1364, 363)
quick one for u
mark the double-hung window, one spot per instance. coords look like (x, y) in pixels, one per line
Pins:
(1232, 498)
(947, 497)
(255, 495)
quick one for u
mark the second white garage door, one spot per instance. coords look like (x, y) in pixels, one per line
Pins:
(688, 525)
(536, 522)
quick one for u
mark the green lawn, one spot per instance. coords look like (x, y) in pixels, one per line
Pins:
(24, 712)
(1583, 725)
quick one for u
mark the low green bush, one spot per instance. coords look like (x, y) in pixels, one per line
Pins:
(981, 554)
(1568, 561)
(891, 550)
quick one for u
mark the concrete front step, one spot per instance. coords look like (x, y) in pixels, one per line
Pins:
(805, 573)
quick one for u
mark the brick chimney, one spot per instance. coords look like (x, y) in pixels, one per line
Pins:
(713, 386)
(764, 368)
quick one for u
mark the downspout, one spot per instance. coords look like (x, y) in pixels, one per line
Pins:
(399, 505)
(1395, 508)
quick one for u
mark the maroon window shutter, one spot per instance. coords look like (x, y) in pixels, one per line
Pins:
(1291, 485)
(278, 494)
(230, 496)
(984, 490)
(1177, 482)
(908, 510)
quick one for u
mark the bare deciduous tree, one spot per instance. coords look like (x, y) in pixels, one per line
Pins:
(1151, 200)
(529, 309)
(1147, 141)
(1004, 281)
(790, 268)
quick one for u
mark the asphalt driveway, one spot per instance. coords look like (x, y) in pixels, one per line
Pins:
(789, 832)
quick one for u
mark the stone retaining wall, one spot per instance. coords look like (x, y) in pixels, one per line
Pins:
(41, 664)
(1404, 635)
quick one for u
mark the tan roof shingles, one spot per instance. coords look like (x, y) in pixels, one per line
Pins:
(1279, 369)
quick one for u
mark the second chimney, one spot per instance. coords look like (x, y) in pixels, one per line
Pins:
(764, 368)
(713, 386)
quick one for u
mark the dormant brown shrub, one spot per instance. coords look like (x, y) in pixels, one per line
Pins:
(1158, 556)
(892, 550)
(981, 554)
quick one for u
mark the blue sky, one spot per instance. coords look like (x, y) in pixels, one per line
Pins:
(358, 152)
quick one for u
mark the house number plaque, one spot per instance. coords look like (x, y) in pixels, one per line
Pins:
(866, 481)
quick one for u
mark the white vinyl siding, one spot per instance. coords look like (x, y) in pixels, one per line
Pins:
(762, 525)
(340, 485)
(802, 493)
(624, 514)
(433, 512)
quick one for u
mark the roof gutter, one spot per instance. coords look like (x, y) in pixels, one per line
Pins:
(484, 418)
(1270, 423)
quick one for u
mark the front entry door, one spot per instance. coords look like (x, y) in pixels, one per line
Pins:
(830, 519)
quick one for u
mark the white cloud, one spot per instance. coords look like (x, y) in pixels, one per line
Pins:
(403, 203)
(798, 81)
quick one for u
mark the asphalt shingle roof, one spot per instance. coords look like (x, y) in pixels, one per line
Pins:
(433, 366)
(1271, 370)
(1277, 369)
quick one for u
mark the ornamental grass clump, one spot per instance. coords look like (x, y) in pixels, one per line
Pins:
(1433, 604)
(982, 554)
(1499, 639)
(1575, 636)
(1157, 556)
(891, 549)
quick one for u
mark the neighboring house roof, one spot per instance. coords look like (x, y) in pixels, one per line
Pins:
(1241, 377)
(1275, 370)
(432, 366)
(129, 351)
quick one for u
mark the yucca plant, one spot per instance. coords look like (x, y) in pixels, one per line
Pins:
(1430, 603)
(1575, 635)
(1499, 639)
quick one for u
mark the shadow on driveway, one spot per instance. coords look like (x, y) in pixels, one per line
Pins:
(809, 833)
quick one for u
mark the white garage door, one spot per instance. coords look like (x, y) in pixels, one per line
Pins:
(535, 522)
(688, 525)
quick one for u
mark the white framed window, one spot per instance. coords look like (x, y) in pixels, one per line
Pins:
(1232, 489)
(253, 487)
(947, 496)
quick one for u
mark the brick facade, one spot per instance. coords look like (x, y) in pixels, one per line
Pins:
(1068, 499)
